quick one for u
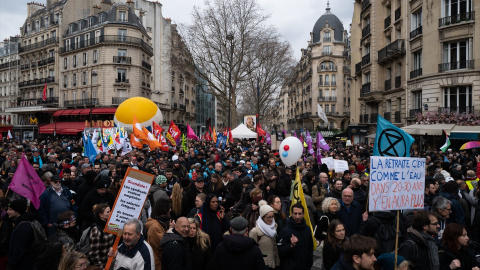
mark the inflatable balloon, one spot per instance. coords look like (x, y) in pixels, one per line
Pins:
(144, 109)
(291, 150)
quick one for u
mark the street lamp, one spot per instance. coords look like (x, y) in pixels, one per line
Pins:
(230, 38)
(93, 74)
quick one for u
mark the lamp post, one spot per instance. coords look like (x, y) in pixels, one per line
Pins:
(93, 74)
(230, 38)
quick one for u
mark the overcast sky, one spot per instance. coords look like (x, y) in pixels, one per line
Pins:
(293, 19)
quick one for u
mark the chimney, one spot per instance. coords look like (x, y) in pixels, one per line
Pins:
(131, 4)
(32, 7)
(106, 5)
(51, 2)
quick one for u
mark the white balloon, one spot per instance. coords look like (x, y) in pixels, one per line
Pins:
(295, 150)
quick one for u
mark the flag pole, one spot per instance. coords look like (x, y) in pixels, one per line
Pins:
(396, 238)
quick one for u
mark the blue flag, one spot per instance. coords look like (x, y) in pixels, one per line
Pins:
(219, 139)
(90, 151)
(390, 140)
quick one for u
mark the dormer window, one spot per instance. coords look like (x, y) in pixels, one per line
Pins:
(29, 29)
(46, 21)
(327, 37)
(122, 16)
(101, 17)
(37, 25)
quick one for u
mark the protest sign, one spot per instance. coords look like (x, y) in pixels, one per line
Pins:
(396, 183)
(329, 162)
(340, 165)
(130, 199)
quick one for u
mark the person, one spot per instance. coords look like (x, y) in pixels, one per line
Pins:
(295, 242)
(280, 219)
(450, 192)
(350, 212)
(420, 247)
(381, 225)
(134, 253)
(264, 233)
(272, 172)
(336, 190)
(47, 257)
(175, 250)
(96, 196)
(73, 260)
(199, 199)
(332, 249)
(200, 247)
(442, 207)
(176, 201)
(319, 190)
(66, 230)
(215, 186)
(53, 201)
(359, 254)
(188, 201)
(100, 242)
(157, 224)
(20, 253)
(386, 261)
(157, 191)
(210, 221)
(330, 207)
(238, 251)
(454, 252)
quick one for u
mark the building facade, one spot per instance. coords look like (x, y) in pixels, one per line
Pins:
(9, 74)
(320, 77)
(414, 58)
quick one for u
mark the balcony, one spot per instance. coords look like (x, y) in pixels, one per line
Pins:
(36, 102)
(10, 64)
(387, 22)
(366, 60)
(416, 32)
(81, 102)
(373, 117)
(465, 64)
(388, 85)
(414, 112)
(123, 80)
(320, 84)
(38, 45)
(364, 118)
(327, 53)
(326, 68)
(415, 73)
(366, 31)
(387, 116)
(346, 70)
(326, 84)
(358, 67)
(398, 118)
(365, 4)
(323, 98)
(36, 82)
(458, 18)
(365, 89)
(398, 81)
(46, 61)
(122, 60)
(391, 51)
(107, 39)
(146, 65)
(398, 13)
(305, 115)
(118, 100)
(327, 39)
(456, 109)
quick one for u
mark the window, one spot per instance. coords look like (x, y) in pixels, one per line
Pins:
(54, 34)
(388, 106)
(122, 52)
(74, 79)
(29, 29)
(74, 61)
(327, 80)
(458, 99)
(327, 37)
(320, 80)
(95, 56)
(74, 96)
(416, 20)
(65, 63)
(84, 95)
(85, 58)
(65, 96)
(417, 60)
(326, 108)
(122, 93)
(97, 36)
(417, 100)
(94, 78)
(326, 50)
(77, 42)
(56, 17)
(327, 66)
(334, 80)
(366, 77)
(456, 10)
(456, 55)
(122, 16)
(121, 75)
(86, 40)
(122, 35)
(85, 77)
(46, 20)
(37, 25)
(333, 108)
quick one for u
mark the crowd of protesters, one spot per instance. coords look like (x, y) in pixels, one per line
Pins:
(229, 208)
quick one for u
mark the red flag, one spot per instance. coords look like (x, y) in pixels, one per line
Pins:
(27, 183)
(230, 137)
(44, 94)
(157, 129)
(210, 128)
(207, 136)
(260, 131)
(173, 133)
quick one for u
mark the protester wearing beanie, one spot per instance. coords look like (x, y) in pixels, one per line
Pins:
(265, 233)
(96, 196)
(21, 240)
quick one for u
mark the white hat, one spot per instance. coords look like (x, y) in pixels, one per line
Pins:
(448, 179)
(264, 209)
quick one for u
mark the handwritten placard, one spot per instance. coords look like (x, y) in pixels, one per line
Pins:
(340, 165)
(130, 199)
(329, 162)
(396, 183)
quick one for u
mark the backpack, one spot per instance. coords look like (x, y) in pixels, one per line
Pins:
(39, 236)
(84, 244)
(385, 236)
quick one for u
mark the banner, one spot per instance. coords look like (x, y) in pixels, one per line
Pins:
(250, 121)
(329, 162)
(390, 140)
(173, 134)
(130, 199)
(340, 165)
(27, 183)
(396, 183)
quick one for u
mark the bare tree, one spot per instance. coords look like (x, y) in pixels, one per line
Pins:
(219, 60)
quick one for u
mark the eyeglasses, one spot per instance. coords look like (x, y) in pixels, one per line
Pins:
(56, 181)
(269, 217)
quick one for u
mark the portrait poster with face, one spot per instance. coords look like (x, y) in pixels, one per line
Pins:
(250, 121)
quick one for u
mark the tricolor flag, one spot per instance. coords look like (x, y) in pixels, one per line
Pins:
(9, 135)
(446, 139)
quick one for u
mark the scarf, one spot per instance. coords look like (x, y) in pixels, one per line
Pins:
(432, 247)
(268, 230)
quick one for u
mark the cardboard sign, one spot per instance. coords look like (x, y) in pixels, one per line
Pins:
(340, 165)
(396, 183)
(130, 199)
(329, 162)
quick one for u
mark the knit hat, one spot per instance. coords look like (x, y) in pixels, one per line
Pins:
(239, 224)
(264, 209)
(360, 168)
(161, 179)
(103, 182)
(19, 206)
(387, 261)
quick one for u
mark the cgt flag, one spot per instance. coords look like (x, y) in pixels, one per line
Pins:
(26, 182)
(296, 196)
(390, 140)
(173, 134)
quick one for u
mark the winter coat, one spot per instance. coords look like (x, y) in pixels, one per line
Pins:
(268, 246)
(45, 214)
(200, 258)
(20, 253)
(155, 232)
(157, 193)
(465, 256)
(415, 250)
(90, 200)
(351, 218)
(175, 252)
(457, 215)
(318, 195)
(299, 257)
(331, 256)
(269, 173)
(139, 257)
(237, 252)
(322, 224)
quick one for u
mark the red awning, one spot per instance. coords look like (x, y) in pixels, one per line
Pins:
(6, 128)
(85, 112)
(67, 112)
(57, 113)
(76, 112)
(68, 128)
(104, 110)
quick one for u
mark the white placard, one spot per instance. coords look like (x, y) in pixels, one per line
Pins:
(329, 162)
(396, 183)
(340, 165)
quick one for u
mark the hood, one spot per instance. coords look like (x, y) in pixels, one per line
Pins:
(169, 237)
(238, 243)
(28, 216)
(296, 226)
(385, 216)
